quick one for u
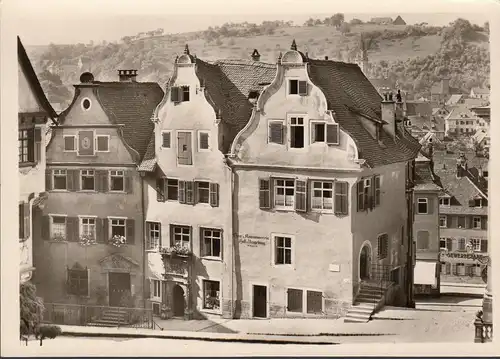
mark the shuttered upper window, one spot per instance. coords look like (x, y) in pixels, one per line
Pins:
(166, 139)
(276, 132)
(322, 132)
(184, 148)
(203, 141)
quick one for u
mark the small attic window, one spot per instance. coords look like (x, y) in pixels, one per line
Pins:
(86, 104)
(253, 95)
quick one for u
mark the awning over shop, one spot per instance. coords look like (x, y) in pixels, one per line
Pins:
(425, 273)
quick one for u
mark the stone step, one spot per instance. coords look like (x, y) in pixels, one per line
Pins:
(360, 311)
(356, 318)
(370, 296)
(371, 290)
(358, 304)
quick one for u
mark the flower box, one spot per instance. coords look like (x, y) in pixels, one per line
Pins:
(178, 251)
(87, 240)
(118, 241)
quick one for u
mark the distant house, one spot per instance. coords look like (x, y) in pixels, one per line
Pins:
(399, 21)
(442, 91)
(461, 121)
(455, 99)
(381, 20)
(482, 93)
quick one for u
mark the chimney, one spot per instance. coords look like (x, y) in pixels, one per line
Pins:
(127, 75)
(388, 110)
(326, 58)
(255, 55)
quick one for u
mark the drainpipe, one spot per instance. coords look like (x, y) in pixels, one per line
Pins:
(143, 252)
(231, 230)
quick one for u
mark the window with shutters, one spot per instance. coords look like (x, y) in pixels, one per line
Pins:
(156, 292)
(203, 192)
(102, 143)
(153, 236)
(88, 180)
(59, 180)
(166, 139)
(476, 244)
(282, 250)
(172, 189)
(368, 195)
(211, 294)
(184, 92)
(184, 148)
(478, 202)
(284, 193)
(318, 132)
(264, 193)
(444, 201)
(476, 223)
(70, 143)
(117, 227)
(26, 145)
(484, 245)
(422, 206)
(189, 192)
(377, 190)
(117, 181)
(297, 87)
(180, 236)
(58, 228)
(461, 244)
(314, 302)
(294, 300)
(21, 220)
(276, 132)
(297, 132)
(341, 198)
(211, 242)
(322, 195)
(78, 282)
(423, 239)
(461, 222)
(443, 221)
(383, 246)
(203, 141)
(442, 243)
(88, 227)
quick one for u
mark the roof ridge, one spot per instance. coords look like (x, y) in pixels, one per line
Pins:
(244, 62)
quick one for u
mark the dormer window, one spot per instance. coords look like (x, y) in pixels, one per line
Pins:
(485, 173)
(179, 94)
(478, 202)
(297, 87)
(444, 201)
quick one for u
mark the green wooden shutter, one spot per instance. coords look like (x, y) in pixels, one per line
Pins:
(166, 139)
(31, 145)
(174, 94)
(72, 229)
(99, 228)
(73, 180)
(182, 192)
(129, 188)
(21, 220)
(189, 189)
(214, 194)
(26, 220)
(303, 88)
(484, 245)
(430, 205)
(332, 134)
(276, 132)
(161, 189)
(48, 180)
(46, 228)
(38, 144)
(360, 196)
(341, 198)
(264, 193)
(130, 223)
(484, 220)
(184, 148)
(300, 196)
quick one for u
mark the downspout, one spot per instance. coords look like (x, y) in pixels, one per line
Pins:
(231, 233)
(143, 252)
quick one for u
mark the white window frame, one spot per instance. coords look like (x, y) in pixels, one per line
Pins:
(88, 281)
(202, 308)
(273, 250)
(167, 186)
(75, 143)
(445, 243)
(197, 195)
(110, 180)
(474, 222)
(110, 226)
(82, 101)
(96, 143)
(54, 174)
(445, 221)
(80, 224)
(200, 132)
(81, 180)
(150, 248)
(171, 230)
(314, 123)
(275, 188)
(480, 202)
(153, 296)
(202, 244)
(289, 126)
(283, 125)
(476, 244)
(51, 224)
(442, 199)
(422, 201)
(288, 86)
(312, 189)
(171, 139)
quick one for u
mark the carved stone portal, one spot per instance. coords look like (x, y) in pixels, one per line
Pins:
(119, 262)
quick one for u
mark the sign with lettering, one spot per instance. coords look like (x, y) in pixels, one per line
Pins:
(481, 258)
(252, 241)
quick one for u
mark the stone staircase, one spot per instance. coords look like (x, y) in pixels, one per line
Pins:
(367, 300)
(111, 317)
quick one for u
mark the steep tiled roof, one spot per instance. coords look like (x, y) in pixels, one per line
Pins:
(148, 163)
(228, 84)
(424, 179)
(481, 91)
(454, 99)
(33, 80)
(461, 111)
(131, 104)
(346, 88)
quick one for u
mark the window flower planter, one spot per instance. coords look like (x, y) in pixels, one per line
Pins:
(87, 240)
(58, 238)
(177, 251)
(118, 241)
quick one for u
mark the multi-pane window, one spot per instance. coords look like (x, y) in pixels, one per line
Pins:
(88, 180)
(185, 93)
(322, 195)
(476, 222)
(297, 132)
(383, 246)
(58, 228)
(442, 243)
(24, 144)
(117, 227)
(283, 251)
(203, 143)
(117, 182)
(211, 242)
(476, 244)
(422, 205)
(203, 189)
(211, 294)
(156, 284)
(284, 191)
(318, 132)
(88, 227)
(78, 282)
(60, 179)
(443, 221)
(444, 201)
(297, 87)
(153, 236)
(166, 139)
(181, 236)
(172, 189)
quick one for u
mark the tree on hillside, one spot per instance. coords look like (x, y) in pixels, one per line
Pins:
(337, 19)
(345, 28)
(309, 22)
(356, 22)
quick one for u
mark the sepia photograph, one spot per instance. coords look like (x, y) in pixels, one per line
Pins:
(209, 184)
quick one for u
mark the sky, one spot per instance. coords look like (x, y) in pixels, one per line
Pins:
(63, 22)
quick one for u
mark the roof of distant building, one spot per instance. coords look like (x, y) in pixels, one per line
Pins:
(454, 99)
(481, 90)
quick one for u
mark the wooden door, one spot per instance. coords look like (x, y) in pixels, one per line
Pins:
(259, 301)
(119, 286)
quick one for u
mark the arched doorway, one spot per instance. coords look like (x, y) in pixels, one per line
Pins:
(178, 299)
(364, 263)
